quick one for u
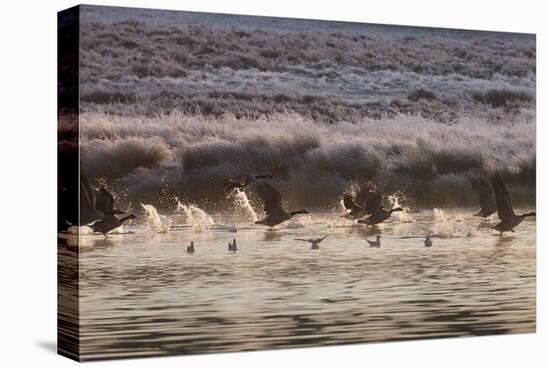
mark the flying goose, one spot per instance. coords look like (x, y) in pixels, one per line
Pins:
(355, 211)
(508, 219)
(314, 241)
(275, 214)
(242, 181)
(104, 202)
(486, 198)
(191, 248)
(368, 197)
(375, 243)
(379, 214)
(88, 211)
(96, 210)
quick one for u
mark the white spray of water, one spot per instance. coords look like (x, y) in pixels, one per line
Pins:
(118, 230)
(342, 205)
(295, 225)
(444, 224)
(160, 222)
(242, 201)
(196, 217)
(403, 216)
(300, 221)
(84, 230)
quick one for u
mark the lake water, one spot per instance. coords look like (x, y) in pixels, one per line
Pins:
(141, 294)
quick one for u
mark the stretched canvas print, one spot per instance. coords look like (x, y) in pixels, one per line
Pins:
(235, 183)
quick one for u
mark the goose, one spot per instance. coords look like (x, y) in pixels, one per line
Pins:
(486, 198)
(314, 241)
(63, 225)
(368, 197)
(275, 214)
(375, 243)
(110, 222)
(78, 214)
(242, 181)
(232, 247)
(428, 241)
(508, 219)
(361, 204)
(96, 210)
(88, 211)
(355, 211)
(379, 214)
(191, 248)
(104, 202)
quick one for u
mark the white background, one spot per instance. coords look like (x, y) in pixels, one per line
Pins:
(28, 183)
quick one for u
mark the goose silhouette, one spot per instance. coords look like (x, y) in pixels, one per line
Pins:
(508, 219)
(275, 214)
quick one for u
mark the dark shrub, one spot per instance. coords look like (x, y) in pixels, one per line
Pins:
(104, 97)
(500, 97)
(421, 94)
(129, 44)
(270, 54)
(249, 62)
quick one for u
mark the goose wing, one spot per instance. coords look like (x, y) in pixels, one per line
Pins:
(322, 238)
(372, 200)
(106, 224)
(349, 202)
(263, 176)
(104, 201)
(88, 212)
(87, 196)
(271, 198)
(485, 195)
(230, 185)
(502, 198)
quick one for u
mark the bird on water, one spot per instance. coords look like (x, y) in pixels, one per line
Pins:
(232, 247)
(314, 241)
(376, 243)
(428, 241)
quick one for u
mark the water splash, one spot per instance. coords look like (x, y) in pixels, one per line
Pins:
(301, 221)
(84, 230)
(403, 216)
(118, 230)
(242, 201)
(336, 222)
(232, 227)
(160, 222)
(344, 209)
(444, 224)
(196, 217)
(295, 225)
